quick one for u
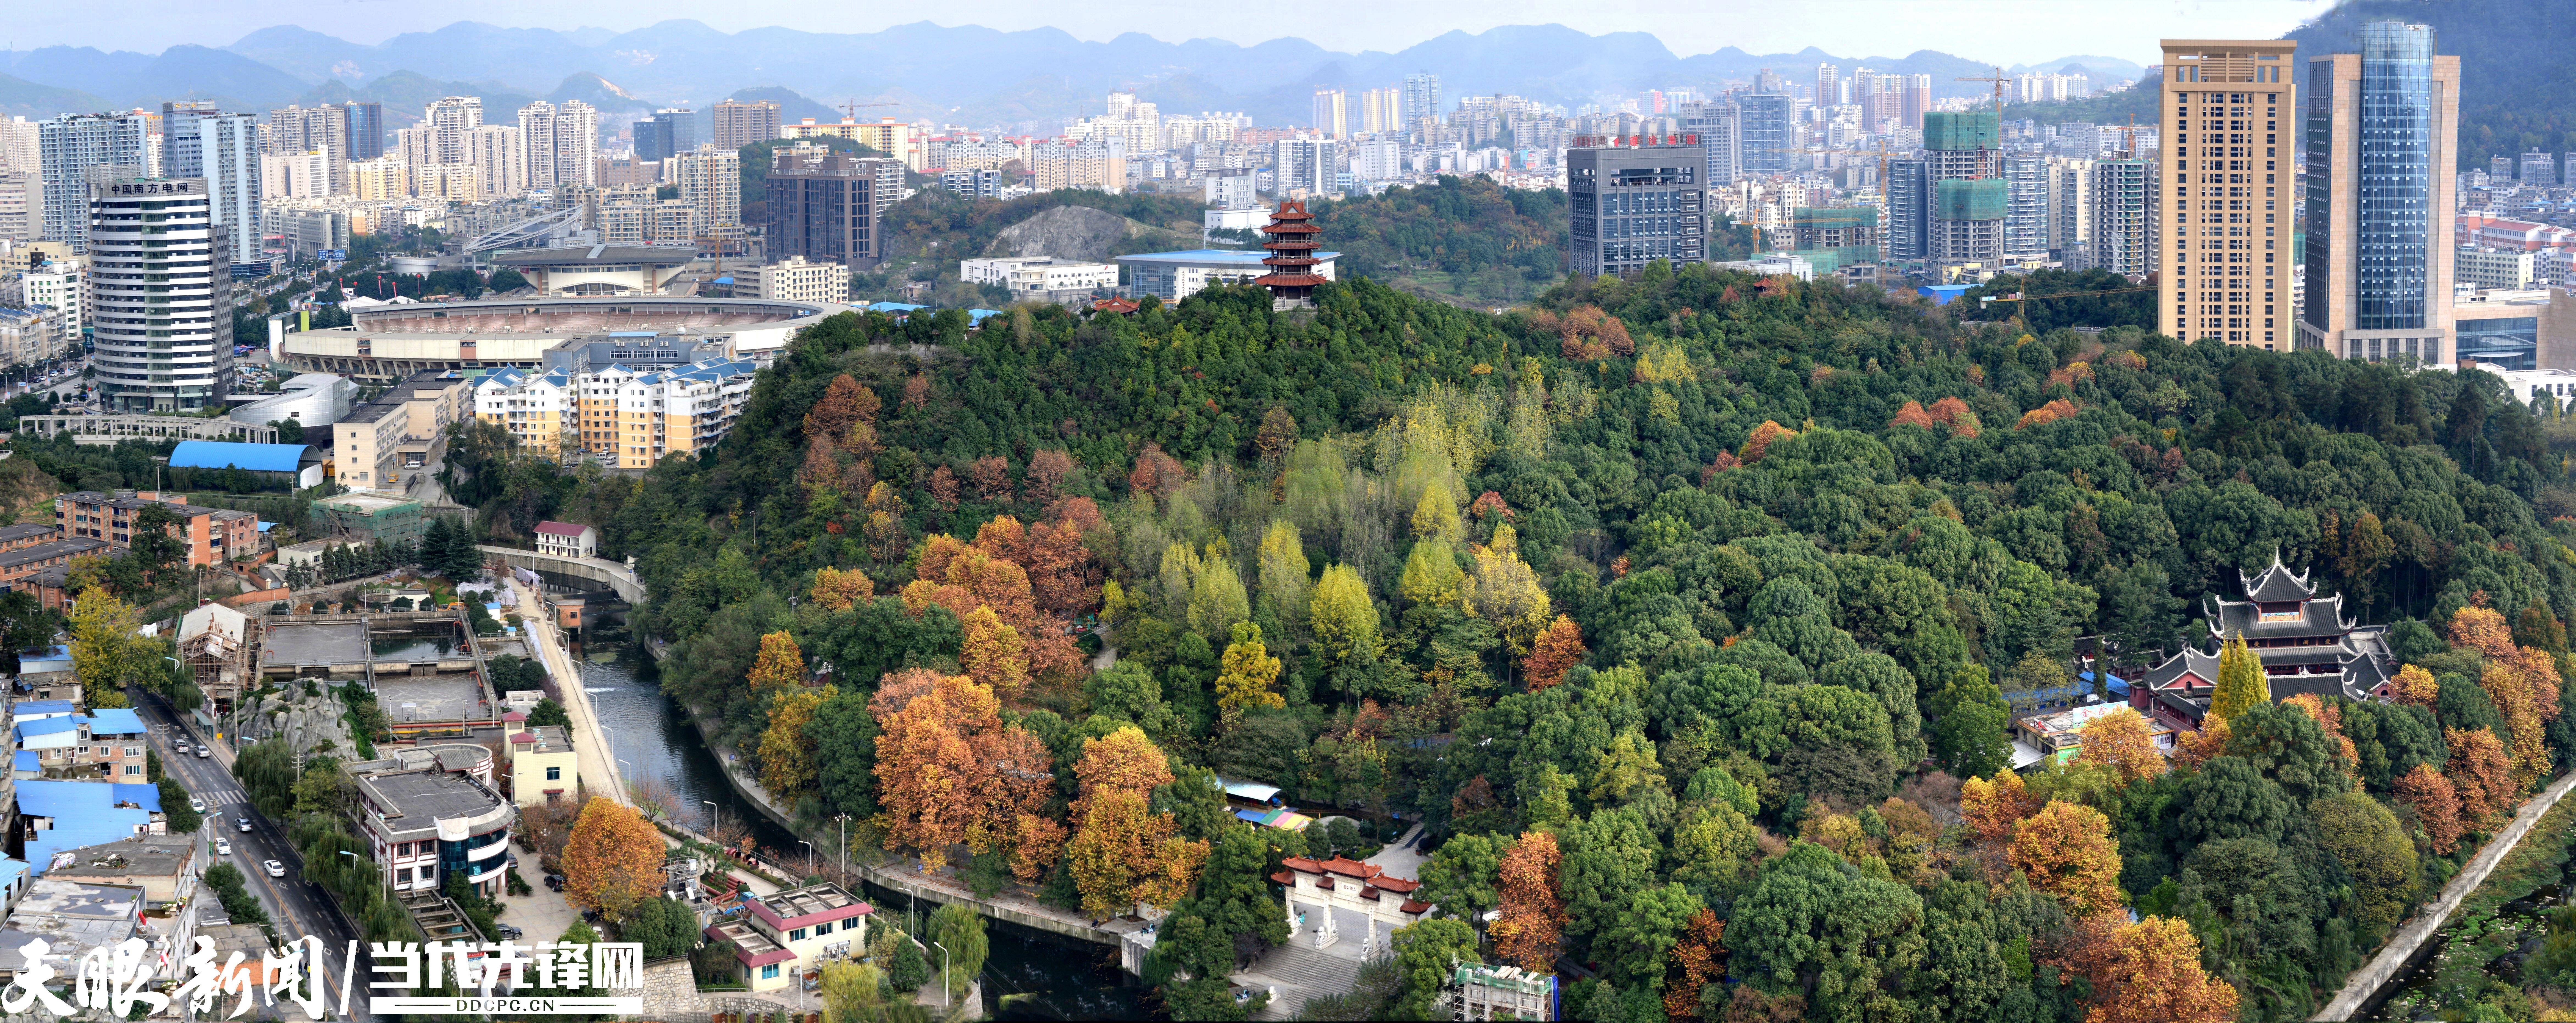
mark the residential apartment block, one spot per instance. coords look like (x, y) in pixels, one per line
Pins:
(630, 418)
(210, 535)
(2229, 106)
(378, 440)
(795, 279)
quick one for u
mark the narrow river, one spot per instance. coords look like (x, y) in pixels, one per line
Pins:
(1029, 974)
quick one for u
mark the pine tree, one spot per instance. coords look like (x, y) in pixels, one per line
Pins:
(2241, 686)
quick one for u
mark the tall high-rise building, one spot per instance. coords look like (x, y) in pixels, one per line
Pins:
(830, 207)
(1381, 110)
(366, 122)
(1632, 205)
(1332, 113)
(20, 150)
(740, 124)
(2124, 224)
(499, 155)
(21, 197)
(2228, 110)
(710, 181)
(1308, 164)
(2070, 211)
(166, 346)
(2382, 137)
(1829, 85)
(2026, 207)
(1421, 100)
(448, 120)
(667, 132)
(1917, 97)
(198, 141)
(1967, 194)
(296, 130)
(1767, 124)
(1720, 131)
(68, 146)
(1909, 210)
(562, 141)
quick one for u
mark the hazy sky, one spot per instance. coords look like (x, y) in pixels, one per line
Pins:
(2004, 31)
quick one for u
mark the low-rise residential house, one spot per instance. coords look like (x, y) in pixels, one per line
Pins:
(542, 766)
(787, 933)
(61, 815)
(164, 866)
(73, 919)
(567, 540)
(106, 746)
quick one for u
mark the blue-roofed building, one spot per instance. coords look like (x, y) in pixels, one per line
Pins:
(108, 746)
(1173, 276)
(65, 815)
(899, 309)
(31, 709)
(23, 765)
(299, 463)
(977, 316)
(1942, 294)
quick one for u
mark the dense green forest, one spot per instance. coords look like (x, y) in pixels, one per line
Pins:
(1686, 611)
(1463, 237)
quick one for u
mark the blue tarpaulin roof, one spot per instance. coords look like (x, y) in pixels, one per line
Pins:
(115, 721)
(45, 726)
(2113, 682)
(893, 307)
(84, 813)
(979, 314)
(216, 454)
(28, 761)
(1941, 294)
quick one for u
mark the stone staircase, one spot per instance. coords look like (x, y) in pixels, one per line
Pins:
(1301, 972)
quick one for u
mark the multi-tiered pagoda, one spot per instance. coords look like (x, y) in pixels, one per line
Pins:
(2305, 642)
(1292, 240)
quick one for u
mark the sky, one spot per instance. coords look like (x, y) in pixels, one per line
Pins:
(2001, 31)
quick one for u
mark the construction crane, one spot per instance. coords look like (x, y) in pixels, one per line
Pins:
(850, 108)
(1998, 78)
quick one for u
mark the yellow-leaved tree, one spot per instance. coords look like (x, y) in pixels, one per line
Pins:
(786, 756)
(2241, 686)
(1247, 673)
(780, 666)
(104, 647)
(613, 859)
(1506, 593)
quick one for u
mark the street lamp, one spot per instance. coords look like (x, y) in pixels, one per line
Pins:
(845, 847)
(715, 817)
(809, 851)
(944, 1000)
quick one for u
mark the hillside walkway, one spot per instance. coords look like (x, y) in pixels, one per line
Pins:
(2428, 922)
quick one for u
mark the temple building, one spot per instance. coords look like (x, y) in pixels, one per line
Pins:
(1292, 241)
(2306, 643)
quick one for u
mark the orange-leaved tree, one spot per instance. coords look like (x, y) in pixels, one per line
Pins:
(836, 590)
(2416, 686)
(1533, 913)
(2436, 804)
(1696, 953)
(2120, 740)
(613, 859)
(2330, 717)
(1993, 806)
(1123, 853)
(948, 770)
(786, 756)
(2066, 850)
(1555, 650)
(2482, 772)
(993, 654)
(2148, 972)
(780, 666)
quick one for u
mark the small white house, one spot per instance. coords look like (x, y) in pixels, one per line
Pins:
(567, 539)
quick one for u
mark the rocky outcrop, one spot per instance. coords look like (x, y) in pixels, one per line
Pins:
(1078, 233)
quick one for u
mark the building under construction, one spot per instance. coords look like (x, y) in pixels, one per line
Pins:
(365, 518)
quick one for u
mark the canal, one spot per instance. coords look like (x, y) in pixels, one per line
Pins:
(1029, 974)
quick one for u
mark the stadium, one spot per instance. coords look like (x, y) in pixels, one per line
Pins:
(387, 343)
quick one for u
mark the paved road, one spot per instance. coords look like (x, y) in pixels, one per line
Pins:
(298, 906)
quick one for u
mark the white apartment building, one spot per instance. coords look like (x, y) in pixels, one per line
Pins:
(61, 285)
(446, 121)
(710, 181)
(502, 161)
(644, 415)
(795, 280)
(383, 178)
(305, 175)
(72, 144)
(562, 143)
(1039, 277)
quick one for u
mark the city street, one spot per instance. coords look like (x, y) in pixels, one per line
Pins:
(299, 907)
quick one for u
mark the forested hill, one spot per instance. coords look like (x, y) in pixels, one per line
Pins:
(1679, 609)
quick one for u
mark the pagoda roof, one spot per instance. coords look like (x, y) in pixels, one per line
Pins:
(2200, 664)
(2276, 584)
(1290, 227)
(2318, 616)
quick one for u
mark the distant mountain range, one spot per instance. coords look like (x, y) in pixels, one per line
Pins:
(964, 74)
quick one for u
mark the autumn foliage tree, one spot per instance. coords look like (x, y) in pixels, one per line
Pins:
(2416, 686)
(780, 666)
(844, 402)
(948, 770)
(2148, 972)
(2436, 804)
(613, 860)
(1696, 955)
(786, 756)
(2241, 686)
(2066, 850)
(1555, 650)
(836, 591)
(1122, 852)
(2481, 772)
(1247, 674)
(1994, 806)
(1533, 913)
(2120, 740)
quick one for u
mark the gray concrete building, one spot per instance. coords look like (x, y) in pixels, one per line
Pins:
(1633, 205)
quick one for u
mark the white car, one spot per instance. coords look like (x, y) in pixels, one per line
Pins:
(223, 846)
(194, 803)
(275, 869)
(203, 753)
(245, 824)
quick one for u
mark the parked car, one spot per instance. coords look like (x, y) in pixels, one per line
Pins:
(507, 931)
(275, 869)
(555, 881)
(223, 846)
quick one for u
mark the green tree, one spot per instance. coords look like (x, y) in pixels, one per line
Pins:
(1460, 875)
(1969, 722)
(2366, 838)
(2240, 682)
(1424, 955)
(665, 928)
(1814, 926)
(960, 933)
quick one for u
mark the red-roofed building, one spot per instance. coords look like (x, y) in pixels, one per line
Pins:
(789, 932)
(567, 540)
(1316, 888)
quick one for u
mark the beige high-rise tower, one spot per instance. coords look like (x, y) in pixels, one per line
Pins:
(2382, 137)
(2229, 189)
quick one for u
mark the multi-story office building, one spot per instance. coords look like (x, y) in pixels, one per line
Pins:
(1633, 205)
(829, 207)
(427, 824)
(1768, 130)
(160, 295)
(741, 124)
(2123, 218)
(69, 146)
(2229, 108)
(2026, 221)
(796, 279)
(669, 131)
(562, 141)
(366, 124)
(2382, 134)
(197, 141)
(1720, 132)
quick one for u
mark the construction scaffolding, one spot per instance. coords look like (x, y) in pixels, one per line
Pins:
(1958, 130)
(362, 518)
(1479, 992)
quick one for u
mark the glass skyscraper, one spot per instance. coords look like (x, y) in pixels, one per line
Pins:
(2381, 133)
(2393, 245)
